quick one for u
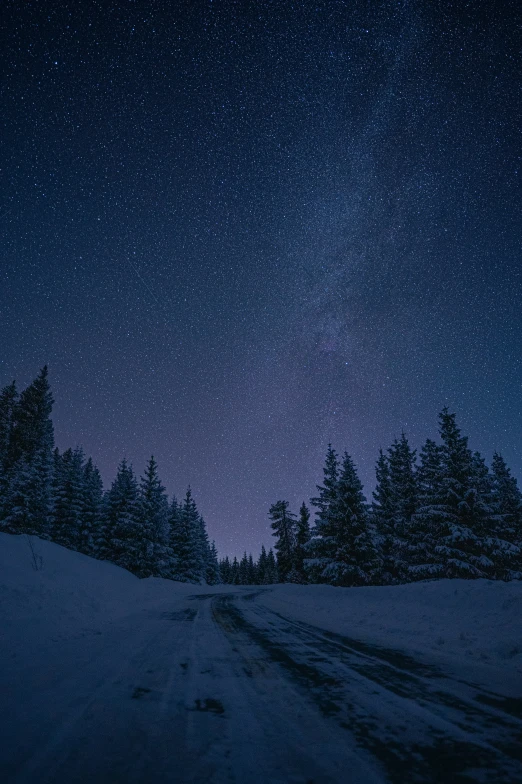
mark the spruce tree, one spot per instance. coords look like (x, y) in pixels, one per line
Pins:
(27, 482)
(92, 507)
(186, 543)
(235, 578)
(117, 537)
(302, 537)
(507, 504)
(320, 546)
(283, 526)
(243, 570)
(422, 561)
(262, 566)
(68, 499)
(213, 576)
(272, 571)
(153, 519)
(400, 506)
(349, 555)
(8, 402)
(225, 570)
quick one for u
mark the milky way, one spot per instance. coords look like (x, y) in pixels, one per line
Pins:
(237, 231)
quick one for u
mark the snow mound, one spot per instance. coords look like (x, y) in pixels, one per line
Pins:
(468, 621)
(49, 593)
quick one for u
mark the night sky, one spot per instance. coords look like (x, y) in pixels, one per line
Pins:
(237, 231)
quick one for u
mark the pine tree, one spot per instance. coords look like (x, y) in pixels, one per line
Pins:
(68, 499)
(225, 570)
(272, 571)
(302, 537)
(213, 576)
(283, 526)
(446, 535)
(92, 507)
(399, 493)
(252, 571)
(507, 502)
(421, 533)
(27, 482)
(117, 537)
(234, 572)
(154, 531)
(186, 543)
(319, 547)
(349, 557)
(262, 567)
(243, 570)
(8, 402)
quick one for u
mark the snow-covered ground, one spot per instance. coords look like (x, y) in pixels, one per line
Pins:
(105, 677)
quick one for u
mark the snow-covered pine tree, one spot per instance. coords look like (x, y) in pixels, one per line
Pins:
(262, 566)
(225, 570)
(243, 570)
(382, 516)
(422, 561)
(153, 514)
(507, 509)
(460, 514)
(92, 507)
(213, 576)
(8, 401)
(272, 571)
(445, 534)
(27, 488)
(302, 537)
(252, 571)
(68, 499)
(351, 558)
(319, 547)
(204, 546)
(283, 526)
(234, 572)
(186, 543)
(117, 537)
(402, 504)
(499, 556)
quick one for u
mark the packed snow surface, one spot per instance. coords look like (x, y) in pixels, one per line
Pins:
(106, 677)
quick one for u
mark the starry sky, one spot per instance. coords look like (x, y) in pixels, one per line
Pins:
(237, 230)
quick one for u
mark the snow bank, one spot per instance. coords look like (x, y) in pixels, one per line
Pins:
(69, 595)
(466, 621)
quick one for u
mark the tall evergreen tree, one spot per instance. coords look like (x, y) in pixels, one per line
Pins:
(507, 502)
(92, 507)
(262, 566)
(272, 571)
(225, 570)
(153, 517)
(302, 537)
(235, 578)
(117, 538)
(8, 402)
(421, 533)
(348, 555)
(186, 543)
(283, 526)
(395, 502)
(68, 499)
(27, 488)
(213, 576)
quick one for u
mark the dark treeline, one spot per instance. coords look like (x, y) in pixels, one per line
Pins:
(60, 496)
(444, 515)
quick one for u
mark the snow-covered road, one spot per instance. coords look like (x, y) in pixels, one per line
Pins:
(218, 687)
